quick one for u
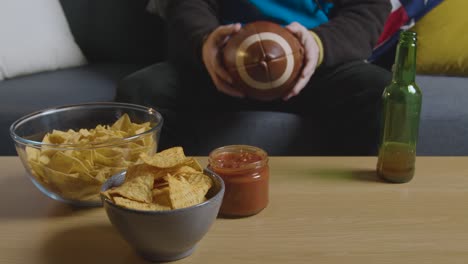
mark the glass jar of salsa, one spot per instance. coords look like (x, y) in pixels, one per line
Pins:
(245, 172)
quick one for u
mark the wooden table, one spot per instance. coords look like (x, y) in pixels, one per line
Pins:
(322, 210)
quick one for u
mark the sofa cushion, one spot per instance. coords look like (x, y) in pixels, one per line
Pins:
(444, 119)
(23, 95)
(120, 31)
(442, 40)
(35, 38)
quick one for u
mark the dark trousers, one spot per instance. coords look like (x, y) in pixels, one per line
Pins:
(341, 105)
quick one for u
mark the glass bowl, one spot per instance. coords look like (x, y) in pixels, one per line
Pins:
(74, 172)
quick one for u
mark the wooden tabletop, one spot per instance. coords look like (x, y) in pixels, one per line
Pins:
(322, 210)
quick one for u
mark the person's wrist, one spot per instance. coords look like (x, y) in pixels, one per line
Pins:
(320, 47)
(203, 40)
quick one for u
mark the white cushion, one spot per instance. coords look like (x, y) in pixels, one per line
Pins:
(35, 37)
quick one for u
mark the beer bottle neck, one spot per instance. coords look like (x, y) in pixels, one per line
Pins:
(404, 69)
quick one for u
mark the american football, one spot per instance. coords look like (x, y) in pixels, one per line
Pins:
(264, 60)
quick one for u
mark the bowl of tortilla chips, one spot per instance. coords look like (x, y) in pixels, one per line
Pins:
(164, 204)
(70, 151)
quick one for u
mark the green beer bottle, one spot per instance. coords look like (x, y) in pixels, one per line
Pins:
(401, 102)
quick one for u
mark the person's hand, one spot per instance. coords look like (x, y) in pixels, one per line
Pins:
(311, 56)
(211, 52)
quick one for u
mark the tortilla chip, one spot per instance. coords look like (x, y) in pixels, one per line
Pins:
(33, 153)
(161, 197)
(193, 163)
(72, 185)
(137, 189)
(182, 194)
(165, 159)
(121, 201)
(199, 180)
(66, 164)
(144, 169)
(37, 170)
(110, 161)
(123, 123)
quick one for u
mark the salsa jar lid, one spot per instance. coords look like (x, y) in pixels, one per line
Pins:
(238, 157)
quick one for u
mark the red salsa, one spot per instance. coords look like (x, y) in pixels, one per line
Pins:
(245, 172)
(232, 160)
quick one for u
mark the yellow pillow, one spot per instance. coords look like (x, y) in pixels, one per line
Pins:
(443, 39)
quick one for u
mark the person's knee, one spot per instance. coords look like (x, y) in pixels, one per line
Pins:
(154, 86)
(129, 91)
(375, 79)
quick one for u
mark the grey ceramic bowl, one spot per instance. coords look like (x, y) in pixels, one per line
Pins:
(164, 235)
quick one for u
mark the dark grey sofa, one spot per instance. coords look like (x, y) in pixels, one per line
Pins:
(444, 121)
(118, 37)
